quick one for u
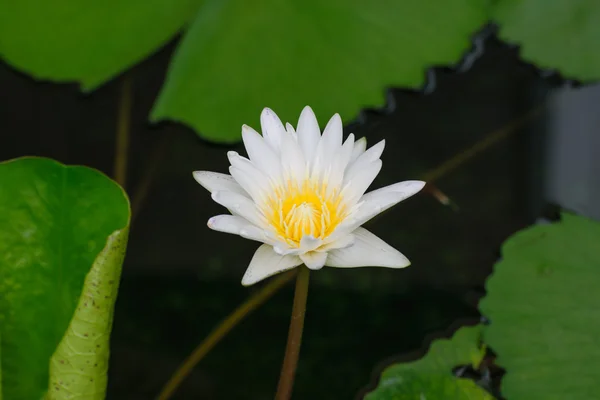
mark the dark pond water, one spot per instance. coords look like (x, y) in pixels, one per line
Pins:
(347, 334)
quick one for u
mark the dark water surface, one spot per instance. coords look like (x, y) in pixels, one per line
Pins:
(347, 334)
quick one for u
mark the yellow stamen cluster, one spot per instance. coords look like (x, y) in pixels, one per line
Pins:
(307, 208)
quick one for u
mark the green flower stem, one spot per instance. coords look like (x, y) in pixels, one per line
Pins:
(292, 349)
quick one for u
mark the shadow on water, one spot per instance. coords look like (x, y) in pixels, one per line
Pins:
(347, 334)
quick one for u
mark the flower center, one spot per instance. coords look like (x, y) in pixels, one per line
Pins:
(295, 210)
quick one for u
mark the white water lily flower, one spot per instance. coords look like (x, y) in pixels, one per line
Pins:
(302, 194)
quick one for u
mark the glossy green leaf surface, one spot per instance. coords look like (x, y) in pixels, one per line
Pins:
(542, 301)
(88, 42)
(554, 34)
(55, 221)
(431, 376)
(336, 56)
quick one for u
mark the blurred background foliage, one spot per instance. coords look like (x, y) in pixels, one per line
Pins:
(234, 57)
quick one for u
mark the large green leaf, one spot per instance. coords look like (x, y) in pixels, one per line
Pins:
(554, 34)
(86, 41)
(56, 222)
(335, 55)
(543, 303)
(431, 376)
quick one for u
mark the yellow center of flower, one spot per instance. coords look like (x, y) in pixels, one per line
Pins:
(307, 209)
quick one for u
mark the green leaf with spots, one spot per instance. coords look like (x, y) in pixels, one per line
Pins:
(334, 55)
(86, 41)
(554, 34)
(543, 302)
(80, 363)
(431, 377)
(60, 227)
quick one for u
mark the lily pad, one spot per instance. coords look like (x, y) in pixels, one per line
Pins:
(543, 301)
(60, 227)
(554, 34)
(86, 41)
(337, 56)
(431, 377)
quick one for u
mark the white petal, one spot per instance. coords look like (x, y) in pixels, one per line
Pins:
(227, 223)
(250, 178)
(339, 163)
(379, 200)
(290, 129)
(339, 243)
(255, 233)
(329, 145)
(346, 151)
(260, 153)
(237, 225)
(308, 132)
(246, 181)
(373, 203)
(366, 158)
(374, 152)
(334, 130)
(361, 180)
(240, 205)
(292, 160)
(309, 243)
(272, 128)
(266, 263)
(214, 181)
(359, 147)
(283, 249)
(314, 260)
(367, 251)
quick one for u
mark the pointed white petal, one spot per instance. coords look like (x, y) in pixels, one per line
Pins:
(360, 182)
(328, 148)
(331, 141)
(290, 129)
(367, 251)
(237, 225)
(309, 243)
(252, 232)
(379, 200)
(339, 243)
(374, 152)
(373, 203)
(266, 263)
(359, 147)
(213, 181)
(283, 249)
(241, 206)
(314, 260)
(250, 178)
(246, 181)
(366, 158)
(227, 223)
(346, 152)
(308, 132)
(272, 128)
(339, 163)
(260, 153)
(334, 130)
(292, 160)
